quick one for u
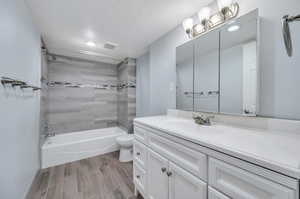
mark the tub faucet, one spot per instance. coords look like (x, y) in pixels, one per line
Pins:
(203, 120)
(48, 135)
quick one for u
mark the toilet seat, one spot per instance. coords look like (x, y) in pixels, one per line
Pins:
(125, 140)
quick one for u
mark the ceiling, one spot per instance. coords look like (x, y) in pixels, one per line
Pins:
(67, 25)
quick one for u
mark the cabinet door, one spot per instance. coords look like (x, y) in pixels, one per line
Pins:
(183, 184)
(240, 184)
(158, 186)
(206, 73)
(213, 194)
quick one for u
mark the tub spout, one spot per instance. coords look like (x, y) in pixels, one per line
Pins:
(47, 135)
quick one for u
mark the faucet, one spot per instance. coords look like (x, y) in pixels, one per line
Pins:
(203, 120)
(48, 135)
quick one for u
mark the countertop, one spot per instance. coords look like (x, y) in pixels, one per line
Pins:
(275, 150)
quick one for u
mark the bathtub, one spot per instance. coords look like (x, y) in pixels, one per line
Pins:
(70, 147)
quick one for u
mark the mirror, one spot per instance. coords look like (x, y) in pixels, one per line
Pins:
(238, 67)
(206, 73)
(184, 77)
(218, 71)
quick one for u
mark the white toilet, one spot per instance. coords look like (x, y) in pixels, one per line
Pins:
(126, 143)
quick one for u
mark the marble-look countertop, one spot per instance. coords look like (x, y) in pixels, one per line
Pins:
(275, 150)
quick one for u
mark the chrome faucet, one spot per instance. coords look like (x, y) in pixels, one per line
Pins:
(48, 135)
(203, 120)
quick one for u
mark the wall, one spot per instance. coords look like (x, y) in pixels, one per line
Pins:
(127, 94)
(279, 74)
(77, 109)
(19, 110)
(143, 86)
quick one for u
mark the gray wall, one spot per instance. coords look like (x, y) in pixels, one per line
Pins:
(279, 74)
(143, 86)
(77, 109)
(19, 111)
(127, 94)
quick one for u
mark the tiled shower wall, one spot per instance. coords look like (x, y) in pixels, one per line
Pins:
(44, 97)
(77, 109)
(127, 94)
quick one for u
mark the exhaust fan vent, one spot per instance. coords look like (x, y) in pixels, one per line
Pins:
(110, 46)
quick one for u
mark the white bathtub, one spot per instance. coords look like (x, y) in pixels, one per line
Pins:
(70, 147)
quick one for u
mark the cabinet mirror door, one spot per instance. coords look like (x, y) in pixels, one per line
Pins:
(206, 73)
(238, 67)
(184, 74)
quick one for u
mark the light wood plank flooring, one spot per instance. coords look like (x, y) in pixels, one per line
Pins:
(101, 177)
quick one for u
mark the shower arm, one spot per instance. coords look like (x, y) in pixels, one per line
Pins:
(286, 32)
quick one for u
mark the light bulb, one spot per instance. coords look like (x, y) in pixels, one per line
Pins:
(233, 28)
(188, 24)
(90, 44)
(204, 13)
(224, 3)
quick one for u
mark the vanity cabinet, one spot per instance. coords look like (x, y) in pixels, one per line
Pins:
(166, 180)
(158, 180)
(168, 167)
(240, 184)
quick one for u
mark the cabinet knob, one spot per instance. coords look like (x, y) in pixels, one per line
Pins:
(169, 173)
(163, 170)
(138, 177)
(138, 153)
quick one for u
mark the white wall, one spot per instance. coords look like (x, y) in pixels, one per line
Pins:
(143, 86)
(19, 112)
(279, 74)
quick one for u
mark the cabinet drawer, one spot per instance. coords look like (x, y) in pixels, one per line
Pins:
(140, 178)
(237, 183)
(140, 134)
(213, 194)
(191, 160)
(140, 154)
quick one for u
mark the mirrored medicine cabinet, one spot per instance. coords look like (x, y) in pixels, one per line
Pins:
(218, 71)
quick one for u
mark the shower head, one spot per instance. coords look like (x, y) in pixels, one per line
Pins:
(287, 33)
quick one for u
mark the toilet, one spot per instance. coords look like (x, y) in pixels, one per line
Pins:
(126, 143)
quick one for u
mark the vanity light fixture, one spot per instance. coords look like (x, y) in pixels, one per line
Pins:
(227, 11)
(233, 28)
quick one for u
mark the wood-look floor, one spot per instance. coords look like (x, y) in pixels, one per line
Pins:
(101, 177)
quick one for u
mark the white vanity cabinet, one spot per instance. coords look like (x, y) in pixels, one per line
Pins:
(166, 180)
(168, 167)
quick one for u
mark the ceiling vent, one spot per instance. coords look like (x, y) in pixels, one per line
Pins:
(110, 46)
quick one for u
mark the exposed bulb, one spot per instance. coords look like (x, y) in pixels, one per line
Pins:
(204, 14)
(188, 24)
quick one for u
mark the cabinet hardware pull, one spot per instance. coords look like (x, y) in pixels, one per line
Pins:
(138, 153)
(169, 173)
(163, 170)
(138, 177)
